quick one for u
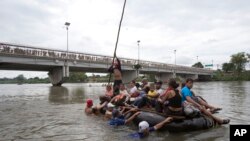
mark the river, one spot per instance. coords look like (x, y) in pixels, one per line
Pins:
(41, 112)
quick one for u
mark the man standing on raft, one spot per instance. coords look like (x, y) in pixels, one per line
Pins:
(115, 68)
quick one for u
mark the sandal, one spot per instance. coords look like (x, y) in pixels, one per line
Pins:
(225, 121)
(215, 110)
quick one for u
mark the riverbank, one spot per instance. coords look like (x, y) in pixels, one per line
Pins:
(231, 76)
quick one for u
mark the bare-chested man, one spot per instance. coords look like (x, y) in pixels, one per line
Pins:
(115, 68)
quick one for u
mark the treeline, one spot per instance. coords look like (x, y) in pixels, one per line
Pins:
(20, 79)
(74, 77)
(235, 69)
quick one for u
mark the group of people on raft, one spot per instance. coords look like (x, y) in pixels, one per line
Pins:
(120, 106)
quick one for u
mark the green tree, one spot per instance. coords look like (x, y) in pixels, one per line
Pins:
(77, 76)
(20, 78)
(239, 60)
(226, 67)
(198, 65)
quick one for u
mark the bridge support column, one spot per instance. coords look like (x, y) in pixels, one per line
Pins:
(128, 76)
(193, 76)
(164, 76)
(56, 75)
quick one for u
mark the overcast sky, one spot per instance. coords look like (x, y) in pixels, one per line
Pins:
(209, 29)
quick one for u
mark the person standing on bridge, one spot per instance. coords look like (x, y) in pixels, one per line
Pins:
(115, 68)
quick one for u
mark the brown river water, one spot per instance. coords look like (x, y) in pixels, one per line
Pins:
(35, 112)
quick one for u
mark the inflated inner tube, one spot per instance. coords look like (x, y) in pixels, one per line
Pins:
(199, 123)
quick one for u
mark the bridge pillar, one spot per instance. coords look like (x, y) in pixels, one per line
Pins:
(164, 76)
(56, 75)
(128, 76)
(193, 76)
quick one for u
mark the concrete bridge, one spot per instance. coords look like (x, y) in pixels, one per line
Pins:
(59, 63)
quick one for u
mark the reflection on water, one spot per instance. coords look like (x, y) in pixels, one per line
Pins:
(61, 95)
(41, 112)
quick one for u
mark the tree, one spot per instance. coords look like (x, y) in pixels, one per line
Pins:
(77, 76)
(248, 55)
(239, 60)
(226, 67)
(198, 65)
(20, 78)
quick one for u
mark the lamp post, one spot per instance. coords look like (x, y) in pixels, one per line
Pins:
(174, 75)
(138, 65)
(175, 57)
(138, 43)
(67, 28)
(197, 58)
(212, 64)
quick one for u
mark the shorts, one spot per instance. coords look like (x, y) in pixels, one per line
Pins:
(116, 87)
(196, 99)
(169, 112)
(117, 83)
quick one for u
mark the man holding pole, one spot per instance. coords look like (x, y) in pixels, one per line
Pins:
(115, 68)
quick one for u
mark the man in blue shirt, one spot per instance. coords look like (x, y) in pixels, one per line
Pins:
(199, 103)
(119, 119)
(144, 128)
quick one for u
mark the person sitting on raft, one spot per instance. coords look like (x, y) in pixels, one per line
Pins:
(124, 91)
(150, 98)
(120, 99)
(173, 99)
(115, 68)
(134, 92)
(119, 118)
(144, 128)
(144, 84)
(212, 109)
(141, 98)
(158, 88)
(109, 91)
(188, 96)
(107, 96)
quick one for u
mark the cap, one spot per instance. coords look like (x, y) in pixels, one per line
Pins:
(143, 125)
(110, 105)
(89, 102)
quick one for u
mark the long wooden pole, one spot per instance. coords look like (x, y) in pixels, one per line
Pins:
(118, 34)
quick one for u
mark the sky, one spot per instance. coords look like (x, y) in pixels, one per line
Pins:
(210, 29)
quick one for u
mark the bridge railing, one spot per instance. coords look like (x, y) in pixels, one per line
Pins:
(23, 50)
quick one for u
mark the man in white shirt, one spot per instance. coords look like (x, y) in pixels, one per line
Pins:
(158, 88)
(124, 91)
(133, 89)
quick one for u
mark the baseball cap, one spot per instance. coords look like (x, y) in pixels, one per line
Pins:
(110, 105)
(143, 125)
(89, 102)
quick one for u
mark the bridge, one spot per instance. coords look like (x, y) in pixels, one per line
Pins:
(59, 63)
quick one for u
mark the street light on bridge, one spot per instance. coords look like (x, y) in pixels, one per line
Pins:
(174, 74)
(67, 28)
(175, 56)
(138, 43)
